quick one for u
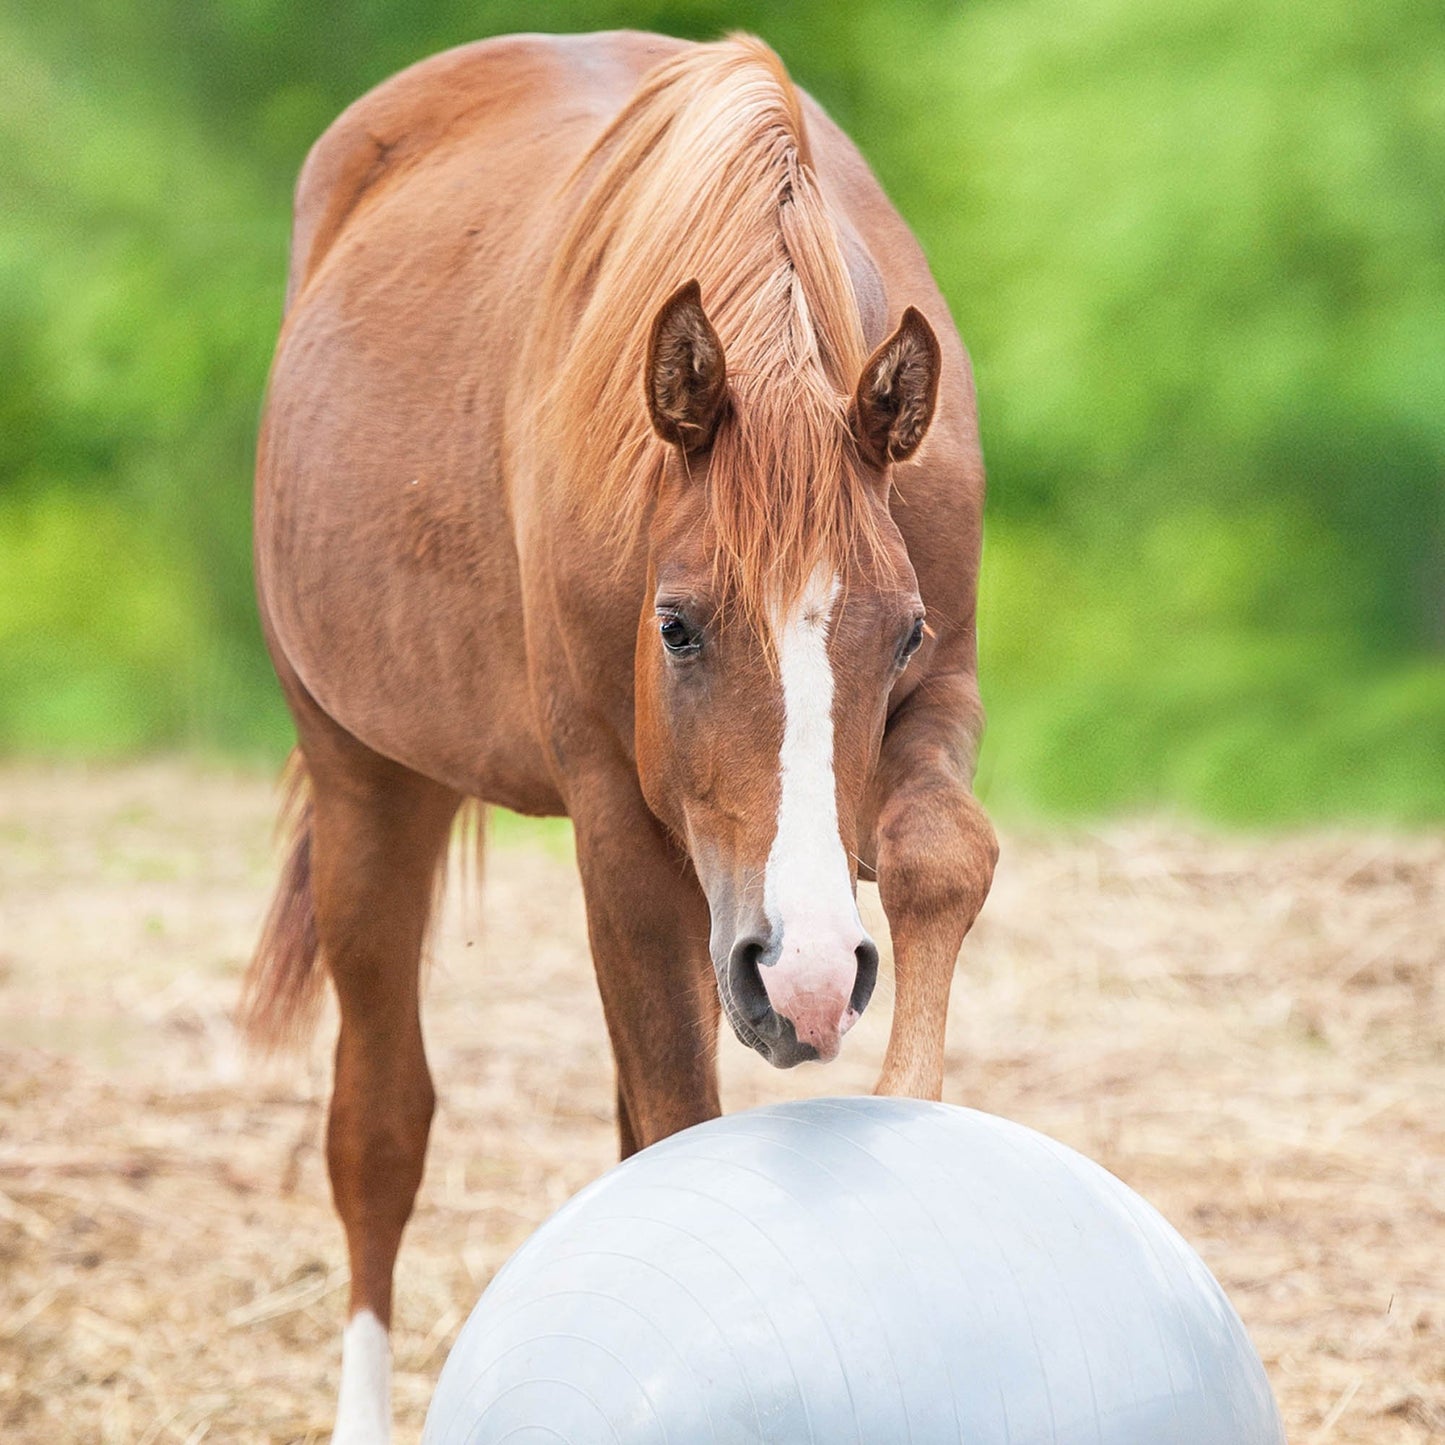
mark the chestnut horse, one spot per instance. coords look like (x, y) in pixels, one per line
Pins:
(592, 481)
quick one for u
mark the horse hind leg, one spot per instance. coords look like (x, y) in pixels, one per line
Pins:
(378, 835)
(377, 849)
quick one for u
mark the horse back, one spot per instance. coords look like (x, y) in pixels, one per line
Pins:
(447, 99)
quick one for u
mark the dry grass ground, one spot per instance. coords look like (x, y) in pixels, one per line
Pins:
(1251, 1033)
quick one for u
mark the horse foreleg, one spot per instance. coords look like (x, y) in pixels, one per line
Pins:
(627, 1144)
(647, 920)
(934, 859)
(379, 835)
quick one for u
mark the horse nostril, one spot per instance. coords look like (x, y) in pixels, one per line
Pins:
(867, 956)
(745, 978)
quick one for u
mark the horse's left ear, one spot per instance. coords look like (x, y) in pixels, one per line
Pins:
(686, 375)
(896, 393)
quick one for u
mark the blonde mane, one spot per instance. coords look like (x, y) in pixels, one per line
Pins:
(706, 174)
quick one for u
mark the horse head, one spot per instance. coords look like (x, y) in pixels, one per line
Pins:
(768, 647)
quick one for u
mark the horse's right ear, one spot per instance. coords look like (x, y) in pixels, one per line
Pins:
(686, 375)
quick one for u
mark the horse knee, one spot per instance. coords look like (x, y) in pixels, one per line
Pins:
(937, 851)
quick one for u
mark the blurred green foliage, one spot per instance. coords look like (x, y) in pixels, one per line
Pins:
(1197, 248)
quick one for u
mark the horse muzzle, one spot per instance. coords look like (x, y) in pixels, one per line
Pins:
(792, 994)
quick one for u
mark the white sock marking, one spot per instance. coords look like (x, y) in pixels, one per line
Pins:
(363, 1411)
(807, 889)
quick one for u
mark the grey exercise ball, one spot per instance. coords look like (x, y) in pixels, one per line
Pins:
(855, 1272)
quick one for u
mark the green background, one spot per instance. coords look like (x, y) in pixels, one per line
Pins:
(1197, 248)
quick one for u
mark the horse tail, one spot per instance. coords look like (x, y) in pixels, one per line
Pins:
(468, 856)
(281, 994)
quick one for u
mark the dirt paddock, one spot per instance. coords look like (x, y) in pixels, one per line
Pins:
(1251, 1033)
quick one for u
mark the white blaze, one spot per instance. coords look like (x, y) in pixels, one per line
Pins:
(363, 1412)
(807, 890)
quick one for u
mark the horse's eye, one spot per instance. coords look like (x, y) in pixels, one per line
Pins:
(913, 641)
(677, 637)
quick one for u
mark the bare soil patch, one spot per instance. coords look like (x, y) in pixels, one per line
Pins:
(1250, 1032)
